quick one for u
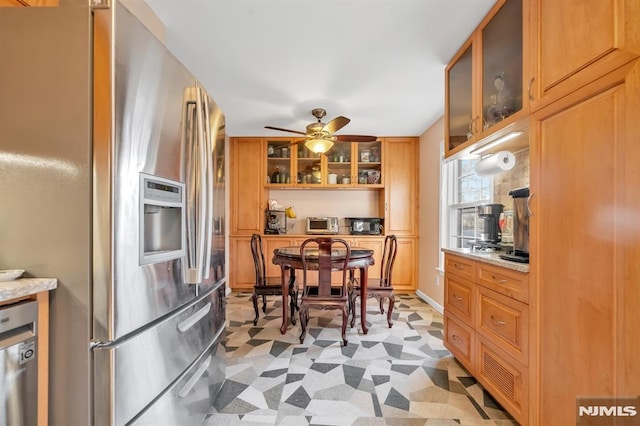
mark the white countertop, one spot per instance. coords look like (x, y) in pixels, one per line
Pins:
(489, 257)
(25, 287)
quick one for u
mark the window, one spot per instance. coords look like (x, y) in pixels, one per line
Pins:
(462, 191)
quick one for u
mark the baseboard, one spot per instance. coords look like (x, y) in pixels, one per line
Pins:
(430, 301)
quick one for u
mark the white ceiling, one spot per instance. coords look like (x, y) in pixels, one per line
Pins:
(378, 62)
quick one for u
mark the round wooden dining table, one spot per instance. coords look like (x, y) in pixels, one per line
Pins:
(289, 259)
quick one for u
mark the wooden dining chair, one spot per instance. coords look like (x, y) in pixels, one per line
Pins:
(380, 288)
(324, 295)
(269, 286)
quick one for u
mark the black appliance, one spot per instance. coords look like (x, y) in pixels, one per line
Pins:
(489, 215)
(365, 225)
(521, 213)
(275, 222)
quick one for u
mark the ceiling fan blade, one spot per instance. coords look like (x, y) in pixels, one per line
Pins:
(285, 130)
(355, 138)
(336, 124)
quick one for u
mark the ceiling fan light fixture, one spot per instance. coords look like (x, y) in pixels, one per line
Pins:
(318, 145)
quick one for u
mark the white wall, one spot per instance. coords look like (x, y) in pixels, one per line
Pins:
(322, 202)
(430, 280)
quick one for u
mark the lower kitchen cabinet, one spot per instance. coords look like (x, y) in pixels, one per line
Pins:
(242, 275)
(460, 340)
(486, 327)
(503, 377)
(404, 278)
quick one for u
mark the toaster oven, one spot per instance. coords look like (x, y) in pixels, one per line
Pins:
(322, 225)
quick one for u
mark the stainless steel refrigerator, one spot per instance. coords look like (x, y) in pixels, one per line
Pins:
(112, 181)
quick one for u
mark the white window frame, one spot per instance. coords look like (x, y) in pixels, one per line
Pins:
(450, 204)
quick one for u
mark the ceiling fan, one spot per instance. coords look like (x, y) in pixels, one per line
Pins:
(320, 136)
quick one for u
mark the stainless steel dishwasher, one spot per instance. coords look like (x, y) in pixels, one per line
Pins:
(18, 364)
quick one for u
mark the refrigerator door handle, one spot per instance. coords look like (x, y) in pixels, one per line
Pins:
(208, 183)
(193, 319)
(184, 391)
(197, 196)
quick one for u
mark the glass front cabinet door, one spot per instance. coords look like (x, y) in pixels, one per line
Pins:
(339, 170)
(279, 162)
(484, 80)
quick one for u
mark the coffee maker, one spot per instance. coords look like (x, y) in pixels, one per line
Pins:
(490, 233)
(521, 215)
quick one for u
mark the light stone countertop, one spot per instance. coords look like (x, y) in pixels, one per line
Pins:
(25, 287)
(491, 257)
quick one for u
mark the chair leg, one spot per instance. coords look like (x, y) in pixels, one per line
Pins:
(254, 299)
(293, 305)
(352, 305)
(304, 313)
(381, 300)
(264, 304)
(345, 318)
(392, 301)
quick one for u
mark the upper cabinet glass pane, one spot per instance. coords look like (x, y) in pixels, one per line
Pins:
(309, 166)
(460, 81)
(369, 161)
(279, 162)
(502, 64)
(339, 164)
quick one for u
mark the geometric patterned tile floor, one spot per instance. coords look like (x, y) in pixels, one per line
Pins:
(391, 376)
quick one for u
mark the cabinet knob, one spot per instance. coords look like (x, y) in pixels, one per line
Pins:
(499, 280)
(456, 339)
(497, 321)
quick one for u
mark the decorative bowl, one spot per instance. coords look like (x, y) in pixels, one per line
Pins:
(11, 274)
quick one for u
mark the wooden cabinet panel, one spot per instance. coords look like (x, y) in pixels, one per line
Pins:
(248, 200)
(242, 272)
(506, 379)
(460, 266)
(32, 3)
(505, 321)
(377, 245)
(404, 268)
(584, 246)
(459, 297)
(270, 244)
(508, 282)
(459, 339)
(603, 36)
(401, 186)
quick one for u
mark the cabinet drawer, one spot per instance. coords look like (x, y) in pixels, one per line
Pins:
(459, 298)
(505, 281)
(459, 339)
(505, 321)
(504, 378)
(460, 266)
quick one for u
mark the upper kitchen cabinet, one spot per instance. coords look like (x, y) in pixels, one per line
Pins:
(578, 41)
(248, 195)
(368, 170)
(339, 164)
(485, 89)
(279, 161)
(401, 186)
(310, 167)
(290, 164)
